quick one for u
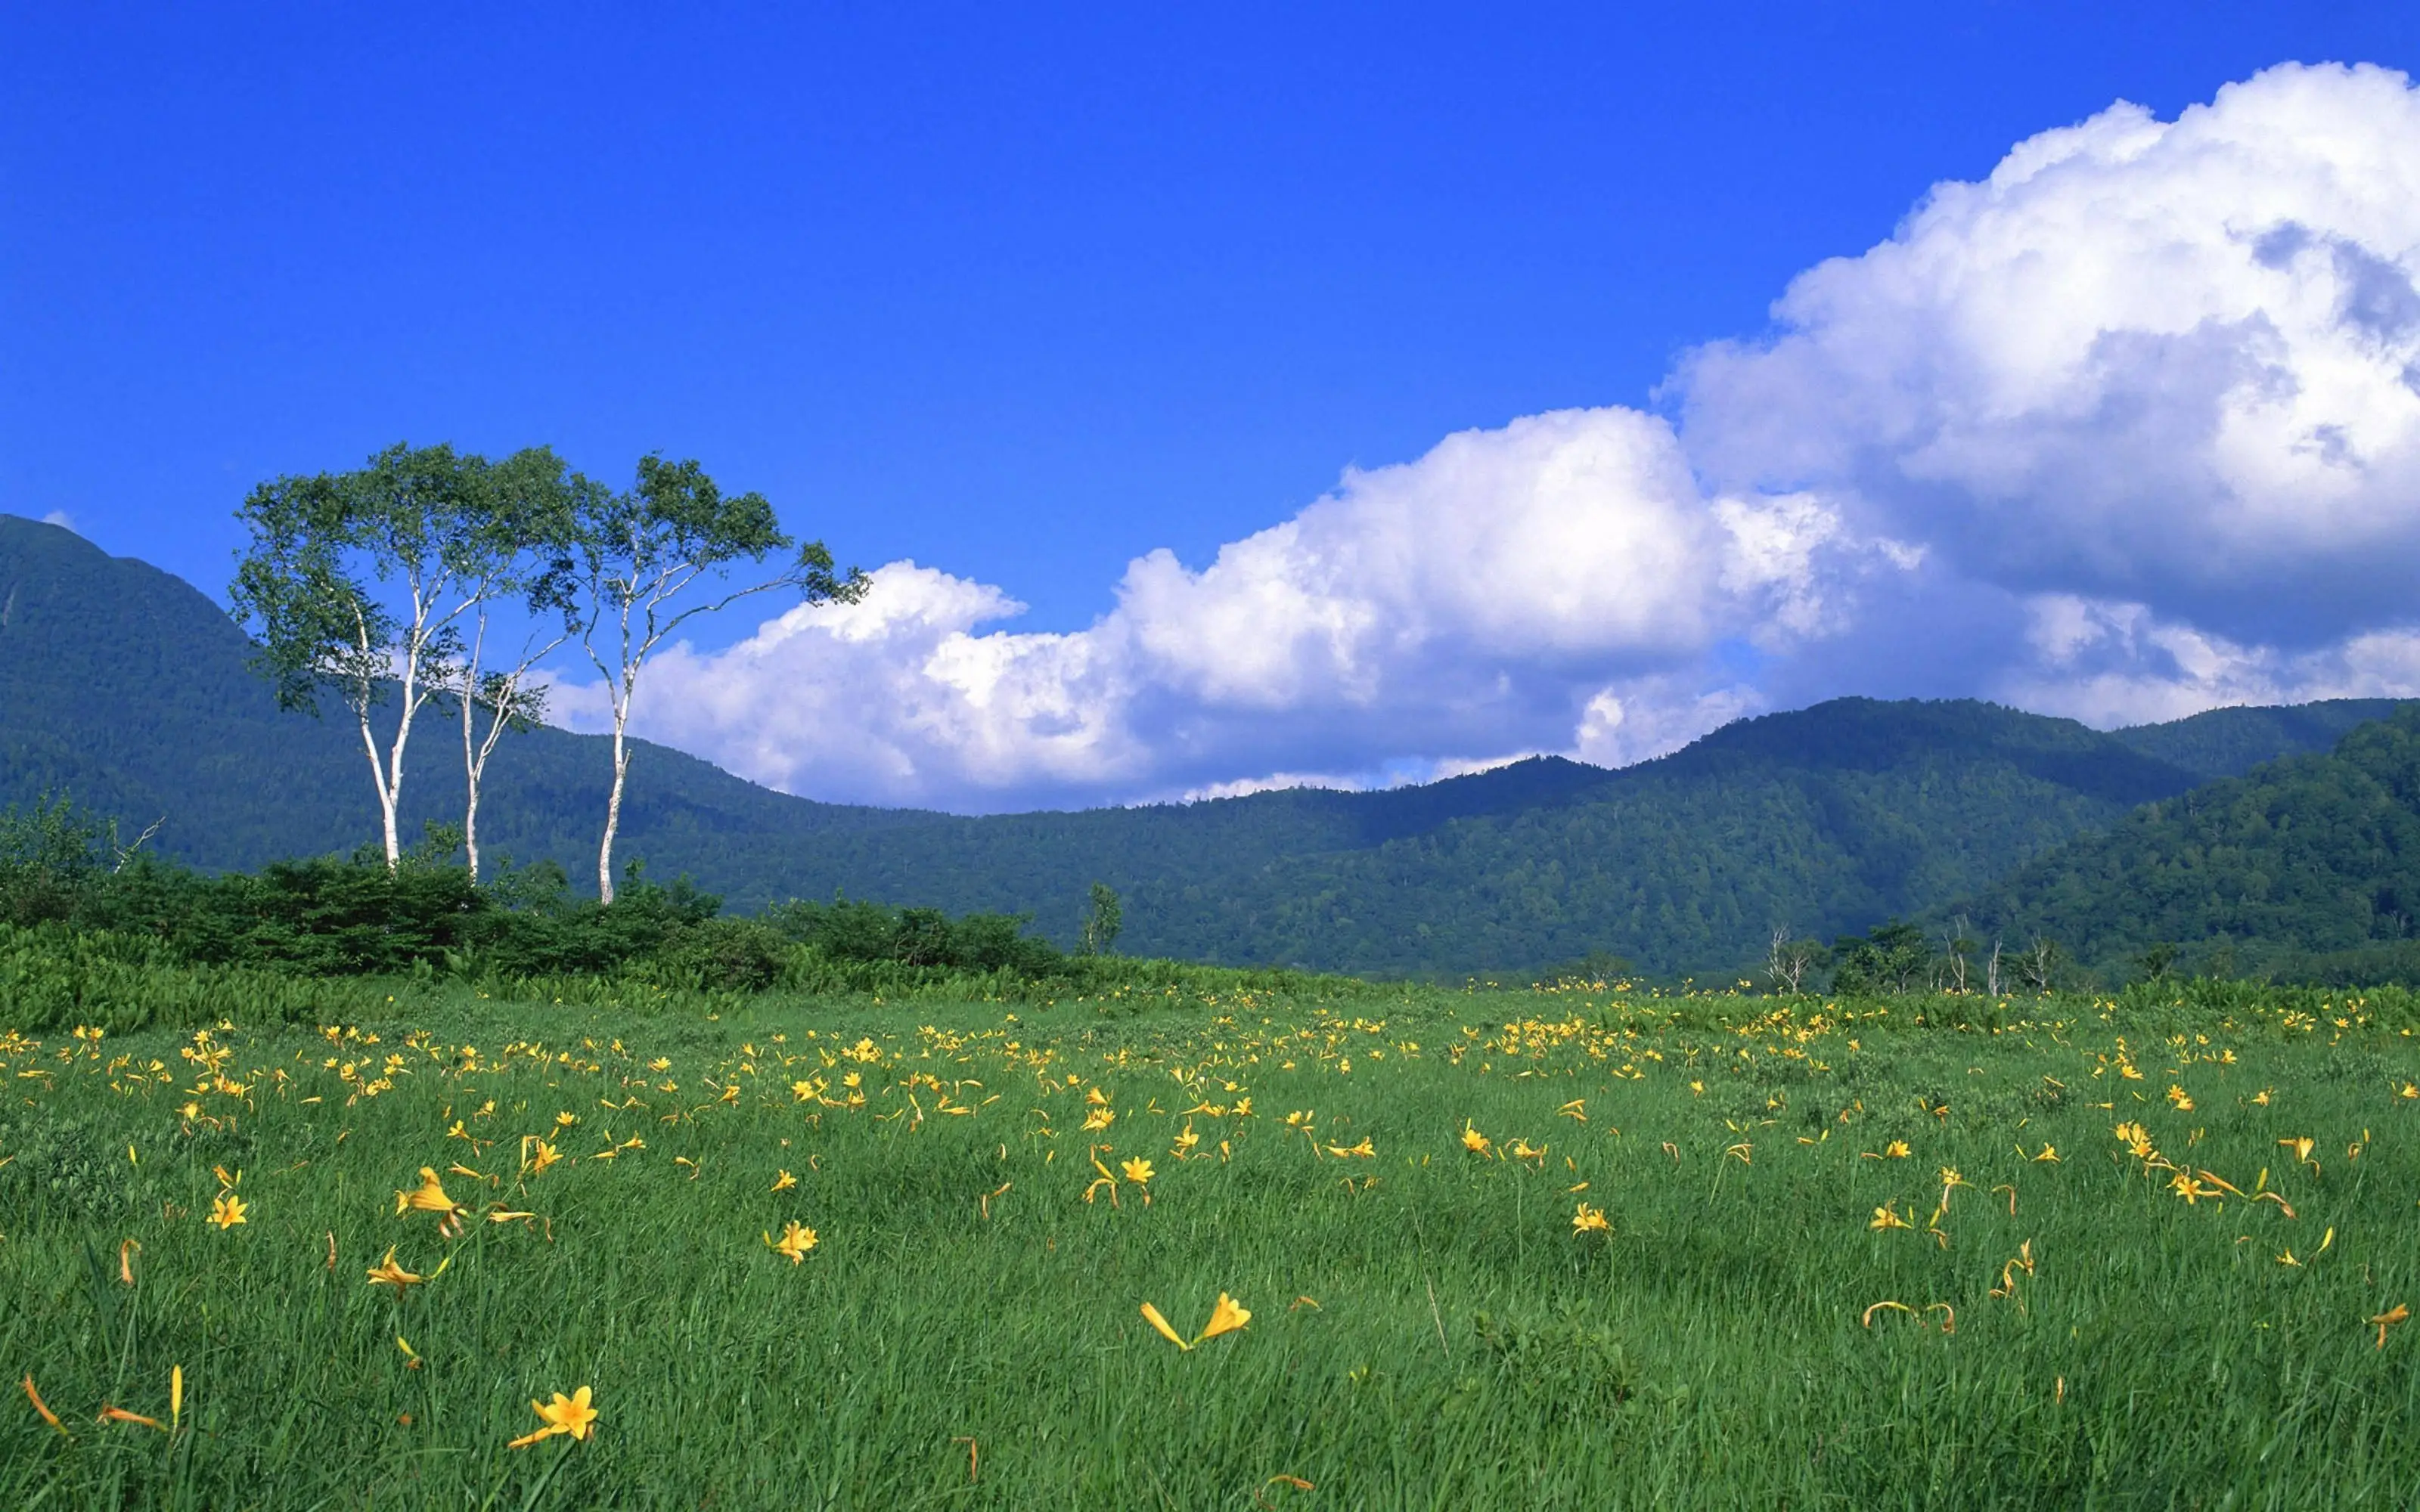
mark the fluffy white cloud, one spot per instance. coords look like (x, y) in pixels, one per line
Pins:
(1421, 618)
(2129, 428)
(2177, 363)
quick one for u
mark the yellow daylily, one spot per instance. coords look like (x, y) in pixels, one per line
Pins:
(388, 1273)
(429, 1197)
(1472, 1140)
(1884, 1218)
(1590, 1220)
(228, 1210)
(1137, 1170)
(1225, 1318)
(797, 1238)
(783, 1181)
(570, 1414)
(1230, 1315)
(2388, 1320)
(44, 1408)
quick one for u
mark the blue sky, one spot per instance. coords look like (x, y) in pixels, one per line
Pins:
(1021, 297)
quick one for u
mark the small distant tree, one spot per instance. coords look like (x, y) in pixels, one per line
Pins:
(1103, 922)
(1957, 953)
(1789, 961)
(2155, 963)
(1892, 958)
(2037, 965)
(635, 557)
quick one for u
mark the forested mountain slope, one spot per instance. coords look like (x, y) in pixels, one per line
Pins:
(2307, 867)
(129, 689)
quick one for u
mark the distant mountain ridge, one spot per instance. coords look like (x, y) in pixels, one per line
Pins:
(126, 688)
(2307, 867)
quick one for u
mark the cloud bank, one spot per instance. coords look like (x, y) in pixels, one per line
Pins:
(2127, 429)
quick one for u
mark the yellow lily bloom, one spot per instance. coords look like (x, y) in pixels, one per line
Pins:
(228, 1210)
(1885, 1218)
(2388, 1320)
(1227, 1317)
(783, 1181)
(1137, 1171)
(797, 1238)
(387, 1273)
(1590, 1220)
(1152, 1315)
(429, 1197)
(1472, 1140)
(570, 1414)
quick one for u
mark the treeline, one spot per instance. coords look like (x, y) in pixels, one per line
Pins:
(90, 923)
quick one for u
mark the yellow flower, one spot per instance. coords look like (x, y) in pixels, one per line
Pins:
(1884, 1218)
(1150, 1315)
(1227, 1317)
(1590, 1220)
(1186, 1140)
(1097, 1098)
(565, 1414)
(42, 1407)
(1698, 1088)
(2302, 1147)
(2388, 1320)
(226, 1210)
(387, 1273)
(2189, 1189)
(1230, 1315)
(2049, 1153)
(784, 1181)
(1895, 1149)
(797, 1238)
(2176, 1097)
(1137, 1171)
(1472, 1140)
(542, 1155)
(1100, 1118)
(1365, 1149)
(1522, 1151)
(176, 1395)
(431, 1197)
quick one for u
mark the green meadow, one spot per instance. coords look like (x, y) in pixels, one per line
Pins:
(1574, 1247)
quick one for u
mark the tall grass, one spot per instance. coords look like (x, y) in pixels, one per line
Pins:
(1428, 1328)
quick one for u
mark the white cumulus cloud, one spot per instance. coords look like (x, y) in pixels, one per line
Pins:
(2126, 429)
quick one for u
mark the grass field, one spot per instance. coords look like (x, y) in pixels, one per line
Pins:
(1845, 1261)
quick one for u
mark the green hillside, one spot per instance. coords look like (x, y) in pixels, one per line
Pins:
(2231, 741)
(130, 689)
(2307, 867)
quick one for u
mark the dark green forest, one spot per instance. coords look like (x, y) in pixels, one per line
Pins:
(130, 690)
(2306, 869)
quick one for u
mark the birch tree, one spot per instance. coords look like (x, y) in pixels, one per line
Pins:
(641, 552)
(356, 584)
(518, 549)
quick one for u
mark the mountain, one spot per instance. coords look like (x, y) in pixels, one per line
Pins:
(129, 689)
(2307, 867)
(2231, 741)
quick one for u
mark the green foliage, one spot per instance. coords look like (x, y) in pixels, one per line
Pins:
(2307, 868)
(1103, 922)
